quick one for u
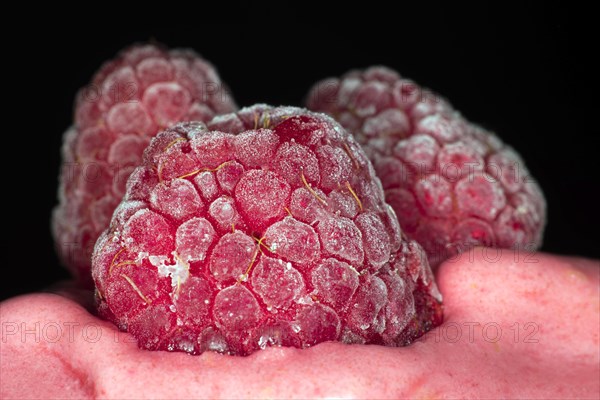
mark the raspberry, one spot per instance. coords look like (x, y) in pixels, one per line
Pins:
(253, 244)
(452, 184)
(145, 89)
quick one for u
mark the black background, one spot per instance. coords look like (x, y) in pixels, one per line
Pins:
(514, 72)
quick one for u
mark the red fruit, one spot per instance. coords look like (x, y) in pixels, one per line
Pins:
(240, 240)
(144, 90)
(452, 184)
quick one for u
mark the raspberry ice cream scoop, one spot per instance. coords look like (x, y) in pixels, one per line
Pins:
(267, 228)
(452, 184)
(143, 90)
(523, 326)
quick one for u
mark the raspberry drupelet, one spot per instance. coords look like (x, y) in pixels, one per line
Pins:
(145, 89)
(267, 228)
(452, 184)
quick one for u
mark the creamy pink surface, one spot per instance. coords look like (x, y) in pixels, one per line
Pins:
(516, 326)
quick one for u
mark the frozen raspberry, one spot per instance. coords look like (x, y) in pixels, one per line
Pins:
(452, 184)
(268, 228)
(131, 98)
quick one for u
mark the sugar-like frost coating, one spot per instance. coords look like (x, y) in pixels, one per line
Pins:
(451, 183)
(273, 233)
(131, 98)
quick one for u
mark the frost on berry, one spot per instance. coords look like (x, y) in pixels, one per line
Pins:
(125, 210)
(280, 333)
(236, 309)
(418, 151)
(458, 160)
(316, 323)
(343, 203)
(237, 248)
(145, 89)
(140, 184)
(150, 325)
(206, 183)
(434, 194)
(193, 239)
(231, 257)
(254, 149)
(177, 198)
(224, 212)
(129, 118)
(307, 206)
(376, 241)
(335, 282)
(88, 142)
(293, 240)
(133, 291)
(262, 196)
(229, 175)
(337, 166)
(296, 163)
(148, 231)
(194, 301)
(400, 308)
(214, 151)
(168, 102)
(390, 122)
(370, 299)
(480, 196)
(277, 282)
(452, 184)
(342, 238)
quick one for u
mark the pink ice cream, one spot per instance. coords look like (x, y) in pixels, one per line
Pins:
(527, 328)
